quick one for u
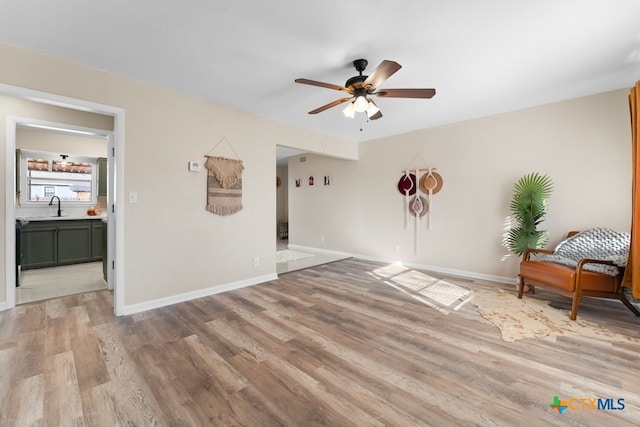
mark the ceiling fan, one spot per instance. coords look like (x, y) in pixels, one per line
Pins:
(360, 87)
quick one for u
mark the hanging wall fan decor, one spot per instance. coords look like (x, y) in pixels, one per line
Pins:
(361, 88)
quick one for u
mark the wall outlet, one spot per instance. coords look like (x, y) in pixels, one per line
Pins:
(397, 249)
(256, 261)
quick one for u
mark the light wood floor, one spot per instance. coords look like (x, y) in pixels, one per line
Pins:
(330, 345)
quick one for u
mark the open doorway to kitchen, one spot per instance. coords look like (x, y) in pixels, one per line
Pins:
(61, 208)
(25, 108)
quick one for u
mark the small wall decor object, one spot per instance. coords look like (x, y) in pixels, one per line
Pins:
(407, 187)
(297, 182)
(327, 180)
(416, 182)
(224, 182)
(430, 184)
(311, 180)
(224, 185)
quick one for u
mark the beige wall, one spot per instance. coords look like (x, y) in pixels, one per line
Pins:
(60, 143)
(173, 246)
(583, 144)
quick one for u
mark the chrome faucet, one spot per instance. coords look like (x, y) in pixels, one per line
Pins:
(51, 204)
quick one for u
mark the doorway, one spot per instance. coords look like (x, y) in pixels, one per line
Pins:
(293, 257)
(60, 253)
(115, 156)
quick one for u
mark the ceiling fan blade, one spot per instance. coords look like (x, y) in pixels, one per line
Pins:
(406, 93)
(321, 84)
(329, 105)
(382, 72)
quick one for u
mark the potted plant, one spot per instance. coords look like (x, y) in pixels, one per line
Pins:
(528, 208)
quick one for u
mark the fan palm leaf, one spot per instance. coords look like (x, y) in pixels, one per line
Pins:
(528, 208)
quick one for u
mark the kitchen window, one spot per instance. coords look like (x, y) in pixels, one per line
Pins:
(45, 175)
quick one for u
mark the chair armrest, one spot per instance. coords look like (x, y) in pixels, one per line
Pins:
(584, 261)
(528, 252)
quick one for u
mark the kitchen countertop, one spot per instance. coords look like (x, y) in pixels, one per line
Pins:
(25, 219)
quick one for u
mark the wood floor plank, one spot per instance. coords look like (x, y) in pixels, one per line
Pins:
(25, 403)
(230, 379)
(138, 403)
(342, 344)
(63, 402)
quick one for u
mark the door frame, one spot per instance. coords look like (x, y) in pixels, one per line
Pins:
(116, 177)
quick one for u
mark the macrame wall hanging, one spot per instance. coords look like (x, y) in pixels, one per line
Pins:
(418, 185)
(224, 182)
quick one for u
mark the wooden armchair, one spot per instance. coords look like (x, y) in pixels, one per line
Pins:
(572, 282)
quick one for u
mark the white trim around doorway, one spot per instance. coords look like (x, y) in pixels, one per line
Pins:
(116, 180)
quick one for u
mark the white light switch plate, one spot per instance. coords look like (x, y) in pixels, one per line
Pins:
(133, 197)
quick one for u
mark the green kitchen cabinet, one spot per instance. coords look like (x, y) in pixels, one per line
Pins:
(102, 176)
(74, 242)
(39, 245)
(96, 241)
(62, 242)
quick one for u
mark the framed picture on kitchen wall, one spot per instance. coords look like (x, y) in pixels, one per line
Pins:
(312, 180)
(327, 180)
(297, 182)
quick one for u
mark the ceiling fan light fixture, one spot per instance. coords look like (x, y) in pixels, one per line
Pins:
(361, 103)
(372, 109)
(350, 111)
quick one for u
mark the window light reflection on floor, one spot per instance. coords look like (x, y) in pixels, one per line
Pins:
(431, 291)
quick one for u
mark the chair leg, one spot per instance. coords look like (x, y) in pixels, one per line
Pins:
(630, 306)
(520, 286)
(574, 305)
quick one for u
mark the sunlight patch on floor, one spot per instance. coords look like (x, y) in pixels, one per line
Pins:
(436, 293)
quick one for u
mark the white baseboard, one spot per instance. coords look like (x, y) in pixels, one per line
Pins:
(318, 250)
(174, 299)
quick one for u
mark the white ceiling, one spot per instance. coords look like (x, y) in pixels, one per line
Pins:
(482, 57)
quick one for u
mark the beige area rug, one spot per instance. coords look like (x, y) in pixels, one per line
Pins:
(532, 318)
(287, 255)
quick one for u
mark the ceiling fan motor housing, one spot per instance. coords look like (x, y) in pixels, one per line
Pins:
(355, 83)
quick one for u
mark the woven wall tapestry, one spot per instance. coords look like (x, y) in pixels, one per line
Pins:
(224, 185)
